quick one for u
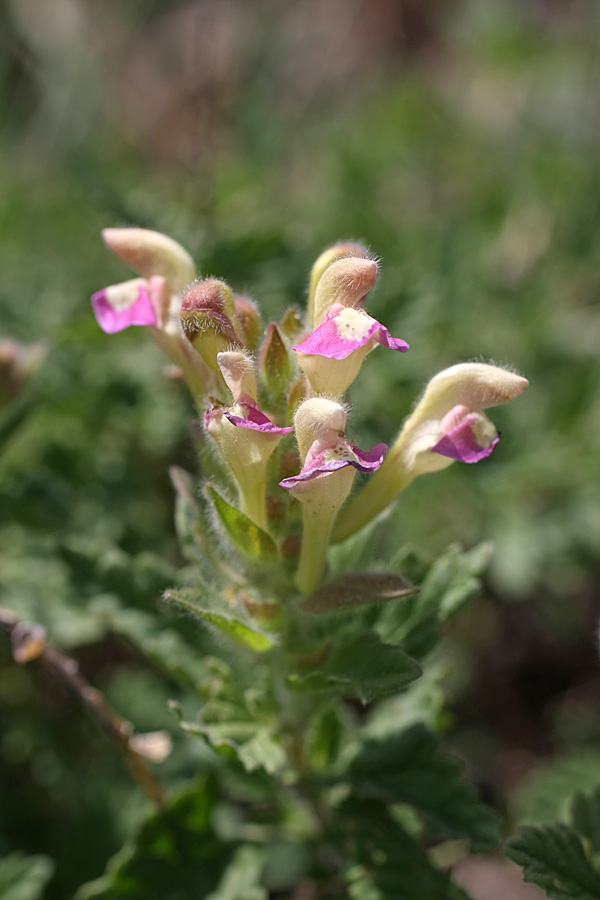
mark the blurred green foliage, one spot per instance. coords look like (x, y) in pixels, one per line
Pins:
(468, 160)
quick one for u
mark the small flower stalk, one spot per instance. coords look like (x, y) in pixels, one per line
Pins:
(251, 386)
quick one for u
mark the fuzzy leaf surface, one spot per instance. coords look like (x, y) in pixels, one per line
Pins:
(409, 768)
(387, 863)
(553, 857)
(357, 589)
(450, 583)
(223, 618)
(364, 668)
(241, 880)
(176, 855)
(585, 815)
(251, 540)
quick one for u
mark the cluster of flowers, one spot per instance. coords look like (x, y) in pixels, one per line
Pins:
(216, 341)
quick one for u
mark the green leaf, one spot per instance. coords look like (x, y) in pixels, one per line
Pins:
(454, 579)
(423, 702)
(546, 795)
(450, 583)
(186, 505)
(176, 856)
(325, 737)
(24, 877)
(160, 643)
(238, 722)
(251, 540)
(189, 601)
(386, 863)
(241, 879)
(553, 857)
(408, 768)
(585, 816)
(262, 751)
(36, 585)
(364, 668)
(249, 741)
(356, 590)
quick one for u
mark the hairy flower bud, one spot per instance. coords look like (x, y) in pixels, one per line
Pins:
(237, 369)
(329, 256)
(209, 320)
(274, 363)
(250, 323)
(346, 281)
(151, 253)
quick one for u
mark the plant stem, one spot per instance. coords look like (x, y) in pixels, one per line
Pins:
(29, 643)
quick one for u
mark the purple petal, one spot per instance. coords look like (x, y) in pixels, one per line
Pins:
(335, 458)
(461, 442)
(369, 460)
(383, 337)
(256, 420)
(121, 305)
(347, 331)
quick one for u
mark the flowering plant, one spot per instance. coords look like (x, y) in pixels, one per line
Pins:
(325, 776)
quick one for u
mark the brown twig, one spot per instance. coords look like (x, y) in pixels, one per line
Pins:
(29, 643)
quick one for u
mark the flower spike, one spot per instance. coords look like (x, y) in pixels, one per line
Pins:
(209, 320)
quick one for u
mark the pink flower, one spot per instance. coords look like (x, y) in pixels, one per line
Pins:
(320, 461)
(466, 436)
(135, 302)
(253, 417)
(447, 424)
(346, 330)
(332, 355)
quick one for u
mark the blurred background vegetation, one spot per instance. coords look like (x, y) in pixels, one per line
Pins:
(460, 141)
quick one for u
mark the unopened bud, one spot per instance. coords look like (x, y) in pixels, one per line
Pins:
(153, 745)
(319, 419)
(329, 256)
(237, 369)
(347, 282)
(474, 385)
(206, 320)
(28, 642)
(291, 324)
(250, 323)
(151, 253)
(274, 365)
